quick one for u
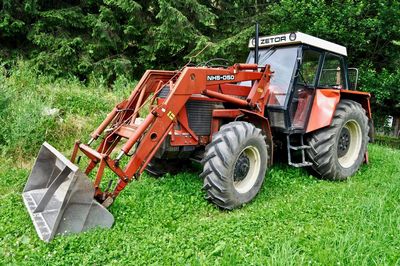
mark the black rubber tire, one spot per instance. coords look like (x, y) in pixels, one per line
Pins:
(220, 158)
(324, 143)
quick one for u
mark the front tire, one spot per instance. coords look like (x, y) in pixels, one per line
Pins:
(234, 164)
(338, 150)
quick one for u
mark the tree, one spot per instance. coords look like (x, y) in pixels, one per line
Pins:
(108, 38)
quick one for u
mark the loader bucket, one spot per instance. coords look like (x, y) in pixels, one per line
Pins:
(60, 198)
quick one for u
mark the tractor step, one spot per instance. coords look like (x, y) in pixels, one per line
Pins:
(296, 148)
(302, 147)
(305, 164)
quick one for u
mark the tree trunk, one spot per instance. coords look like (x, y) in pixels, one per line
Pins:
(396, 126)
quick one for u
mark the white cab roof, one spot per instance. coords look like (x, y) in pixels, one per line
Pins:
(298, 37)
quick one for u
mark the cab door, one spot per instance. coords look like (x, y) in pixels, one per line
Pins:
(332, 78)
(304, 89)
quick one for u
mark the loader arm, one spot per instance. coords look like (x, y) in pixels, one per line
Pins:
(146, 138)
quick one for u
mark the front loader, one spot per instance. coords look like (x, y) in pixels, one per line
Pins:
(292, 98)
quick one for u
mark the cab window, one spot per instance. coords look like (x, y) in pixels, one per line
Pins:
(282, 61)
(332, 73)
(308, 68)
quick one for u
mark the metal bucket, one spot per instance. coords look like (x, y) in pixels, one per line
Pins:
(59, 197)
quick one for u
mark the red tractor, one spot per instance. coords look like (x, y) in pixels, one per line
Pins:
(292, 99)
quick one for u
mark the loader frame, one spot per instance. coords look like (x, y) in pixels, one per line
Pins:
(207, 84)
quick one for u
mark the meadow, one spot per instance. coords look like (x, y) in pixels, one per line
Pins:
(295, 219)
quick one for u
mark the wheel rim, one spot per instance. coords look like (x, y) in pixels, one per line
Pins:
(344, 142)
(349, 143)
(247, 168)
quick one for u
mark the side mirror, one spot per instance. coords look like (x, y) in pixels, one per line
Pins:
(353, 78)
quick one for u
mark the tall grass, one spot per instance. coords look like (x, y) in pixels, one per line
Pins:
(34, 109)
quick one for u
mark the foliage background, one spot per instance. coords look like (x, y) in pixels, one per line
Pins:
(107, 39)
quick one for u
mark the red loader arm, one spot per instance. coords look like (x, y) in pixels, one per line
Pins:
(149, 135)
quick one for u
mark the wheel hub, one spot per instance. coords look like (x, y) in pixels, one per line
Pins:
(241, 168)
(344, 142)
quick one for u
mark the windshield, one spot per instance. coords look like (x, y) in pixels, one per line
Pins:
(282, 61)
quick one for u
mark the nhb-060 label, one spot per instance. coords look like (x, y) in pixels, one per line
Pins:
(220, 77)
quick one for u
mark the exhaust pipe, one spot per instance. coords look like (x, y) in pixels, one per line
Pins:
(60, 198)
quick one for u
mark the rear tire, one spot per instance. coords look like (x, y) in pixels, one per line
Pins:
(338, 150)
(234, 164)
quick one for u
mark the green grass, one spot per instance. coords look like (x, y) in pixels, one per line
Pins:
(296, 219)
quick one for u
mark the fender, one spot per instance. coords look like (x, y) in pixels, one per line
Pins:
(364, 99)
(358, 96)
(245, 115)
(324, 106)
(262, 123)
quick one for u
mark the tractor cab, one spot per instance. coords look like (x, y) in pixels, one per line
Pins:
(301, 64)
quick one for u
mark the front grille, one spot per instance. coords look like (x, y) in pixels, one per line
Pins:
(200, 116)
(199, 113)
